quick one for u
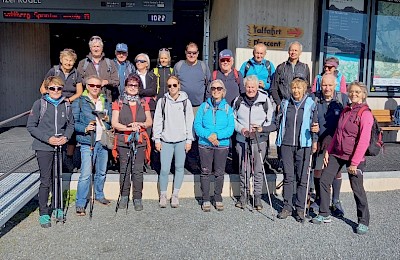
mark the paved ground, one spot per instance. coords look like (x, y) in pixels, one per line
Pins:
(188, 233)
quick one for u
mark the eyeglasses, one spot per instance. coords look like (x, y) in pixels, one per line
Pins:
(122, 53)
(141, 61)
(192, 52)
(95, 38)
(172, 85)
(94, 85)
(225, 60)
(217, 88)
(56, 88)
(164, 49)
(133, 85)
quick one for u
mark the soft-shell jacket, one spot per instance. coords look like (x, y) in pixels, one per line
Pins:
(55, 121)
(351, 139)
(306, 137)
(214, 119)
(82, 109)
(284, 74)
(340, 83)
(176, 126)
(260, 70)
(247, 115)
(110, 74)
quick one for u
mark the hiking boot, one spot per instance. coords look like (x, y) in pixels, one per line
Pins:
(257, 203)
(219, 206)
(241, 203)
(80, 211)
(58, 214)
(163, 200)
(69, 164)
(103, 201)
(337, 209)
(174, 201)
(206, 207)
(284, 214)
(45, 221)
(300, 216)
(137, 204)
(123, 202)
(361, 229)
(321, 219)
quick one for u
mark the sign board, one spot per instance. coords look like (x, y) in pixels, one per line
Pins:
(141, 12)
(274, 31)
(272, 44)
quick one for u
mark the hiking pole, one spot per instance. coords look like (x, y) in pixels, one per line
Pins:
(307, 186)
(251, 176)
(245, 175)
(60, 189)
(91, 201)
(55, 177)
(123, 182)
(265, 175)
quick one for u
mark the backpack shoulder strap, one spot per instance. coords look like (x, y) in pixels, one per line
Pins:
(339, 97)
(163, 101)
(108, 65)
(204, 68)
(236, 74)
(85, 65)
(238, 103)
(268, 65)
(184, 107)
(178, 66)
(214, 75)
(171, 70)
(56, 70)
(246, 69)
(43, 108)
(359, 113)
(227, 108)
(155, 71)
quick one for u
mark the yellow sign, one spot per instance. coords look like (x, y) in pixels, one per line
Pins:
(272, 44)
(274, 31)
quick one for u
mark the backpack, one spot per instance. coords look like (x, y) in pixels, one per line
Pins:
(155, 71)
(375, 143)
(57, 72)
(43, 109)
(267, 65)
(396, 116)
(235, 73)
(239, 102)
(163, 101)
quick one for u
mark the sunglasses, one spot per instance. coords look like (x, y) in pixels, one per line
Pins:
(70, 50)
(141, 61)
(95, 38)
(56, 88)
(122, 53)
(133, 85)
(94, 85)
(216, 88)
(172, 85)
(329, 67)
(225, 60)
(192, 52)
(164, 49)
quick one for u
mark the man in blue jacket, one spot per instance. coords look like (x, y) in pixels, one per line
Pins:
(259, 66)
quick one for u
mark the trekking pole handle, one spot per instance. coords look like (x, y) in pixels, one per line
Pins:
(258, 144)
(92, 139)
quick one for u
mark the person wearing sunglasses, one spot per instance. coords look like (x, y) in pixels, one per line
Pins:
(130, 118)
(123, 65)
(91, 113)
(50, 127)
(330, 67)
(173, 136)
(149, 80)
(254, 112)
(163, 71)
(72, 90)
(96, 63)
(214, 125)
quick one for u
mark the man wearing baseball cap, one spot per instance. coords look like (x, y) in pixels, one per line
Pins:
(232, 78)
(124, 66)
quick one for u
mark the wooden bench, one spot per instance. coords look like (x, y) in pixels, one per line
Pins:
(384, 117)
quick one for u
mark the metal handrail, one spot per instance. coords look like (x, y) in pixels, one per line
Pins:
(14, 118)
(3, 176)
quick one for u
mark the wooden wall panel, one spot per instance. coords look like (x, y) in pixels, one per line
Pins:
(24, 60)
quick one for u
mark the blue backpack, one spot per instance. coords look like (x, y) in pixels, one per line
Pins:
(396, 116)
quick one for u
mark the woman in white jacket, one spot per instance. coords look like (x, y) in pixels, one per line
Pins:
(173, 136)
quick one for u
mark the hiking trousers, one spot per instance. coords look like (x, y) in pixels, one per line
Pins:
(130, 173)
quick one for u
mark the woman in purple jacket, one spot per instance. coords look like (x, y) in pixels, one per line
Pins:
(348, 148)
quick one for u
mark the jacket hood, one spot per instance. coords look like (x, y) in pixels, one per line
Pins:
(182, 96)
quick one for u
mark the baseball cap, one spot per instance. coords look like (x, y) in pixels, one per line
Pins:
(225, 54)
(122, 47)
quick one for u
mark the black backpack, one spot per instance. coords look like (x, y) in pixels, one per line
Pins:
(375, 144)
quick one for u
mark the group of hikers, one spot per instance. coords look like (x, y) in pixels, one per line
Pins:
(187, 115)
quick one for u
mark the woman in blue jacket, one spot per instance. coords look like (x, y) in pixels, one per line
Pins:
(214, 125)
